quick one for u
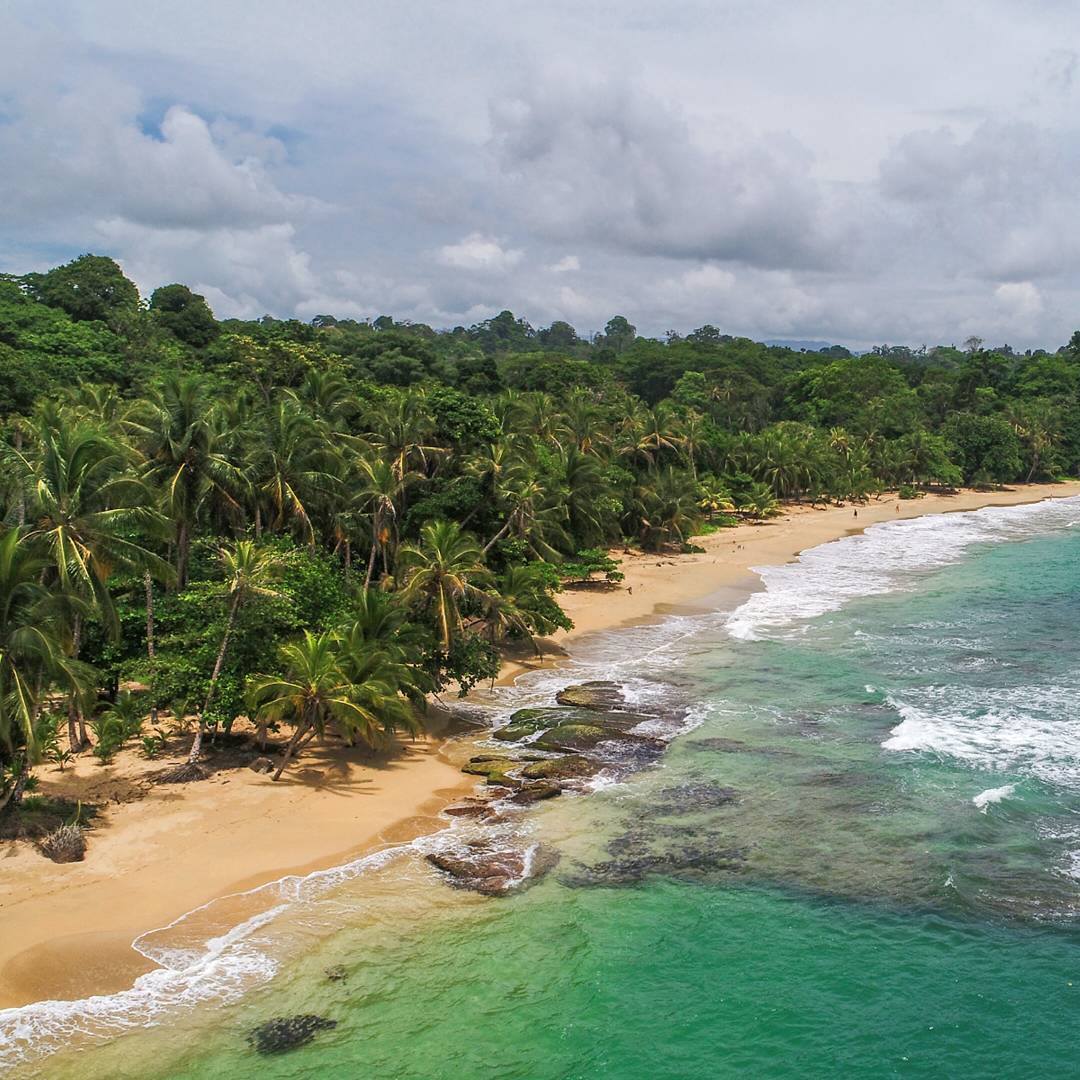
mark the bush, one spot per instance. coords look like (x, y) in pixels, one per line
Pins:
(591, 561)
(64, 844)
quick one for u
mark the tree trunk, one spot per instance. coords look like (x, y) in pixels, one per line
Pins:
(348, 554)
(499, 535)
(76, 741)
(196, 745)
(371, 561)
(148, 582)
(300, 729)
(21, 504)
(258, 521)
(182, 545)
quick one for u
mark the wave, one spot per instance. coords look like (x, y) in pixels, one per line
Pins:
(887, 557)
(985, 799)
(197, 969)
(1030, 730)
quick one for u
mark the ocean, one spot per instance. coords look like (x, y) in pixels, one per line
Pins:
(859, 856)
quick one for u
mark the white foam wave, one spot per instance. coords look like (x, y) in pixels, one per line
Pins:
(985, 799)
(887, 557)
(1027, 730)
(198, 970)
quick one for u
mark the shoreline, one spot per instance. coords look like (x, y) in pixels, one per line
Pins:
(70, 928)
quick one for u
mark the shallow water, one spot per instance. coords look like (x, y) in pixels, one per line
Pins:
(862, 860)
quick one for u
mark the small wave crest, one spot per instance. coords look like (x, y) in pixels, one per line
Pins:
(985, 799)
(886, 557)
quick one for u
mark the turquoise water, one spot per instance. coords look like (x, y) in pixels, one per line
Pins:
(860, 861)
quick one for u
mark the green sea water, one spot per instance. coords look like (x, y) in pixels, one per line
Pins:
(859, 859)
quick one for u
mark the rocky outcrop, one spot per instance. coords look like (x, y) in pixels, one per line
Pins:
(487, 868)
(288, 1032)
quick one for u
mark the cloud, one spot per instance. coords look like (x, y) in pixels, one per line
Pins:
(479, 252)
(859, 174)
(568, 264)
(609, 163)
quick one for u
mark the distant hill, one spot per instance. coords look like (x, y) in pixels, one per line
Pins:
(810, 346)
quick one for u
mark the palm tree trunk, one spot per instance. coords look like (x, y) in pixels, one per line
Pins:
(21, 772)
(196, 745)
(348, 554)
(21, 504)
(300, 729)
(258, 521)
(148, 582)
(499, 535)
(76, 741)
(371, 561)
(182, 546)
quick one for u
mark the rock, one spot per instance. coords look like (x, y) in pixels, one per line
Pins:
(493, 768)
(262, 765)
(482, 868)
(478, 809)
(600, 696)
(685, 863)
(288, 1032)
(689, 798)
(337, 973)
(563, 768)
(571, 737)
(526, 722)
(536, 792)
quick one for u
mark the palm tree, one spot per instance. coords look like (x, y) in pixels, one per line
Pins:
(590, 504)
(188, 459)
(666, 503)
(84, 507)
(290, 467)
(443, 571)
(381, 487)
(249, 571)
(315, 690)
(520, 605)
(32, 655)
(535, 512)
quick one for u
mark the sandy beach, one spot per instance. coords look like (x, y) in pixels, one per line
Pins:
(159, 851)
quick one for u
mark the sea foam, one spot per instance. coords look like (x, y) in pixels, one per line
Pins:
(887, 557)
(985, 799)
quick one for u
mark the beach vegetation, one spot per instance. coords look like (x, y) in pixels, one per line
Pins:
(303, 520)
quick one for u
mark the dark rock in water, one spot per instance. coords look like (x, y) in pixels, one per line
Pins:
(685, 863)
(476, 809)
(337, 973)
(487, 869)
(600, 696)
(688, 798)
(537, 791)
(572, 767)
(735, 746)
(288, 1032)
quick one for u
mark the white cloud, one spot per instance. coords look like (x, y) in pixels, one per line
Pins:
(1019, 298)
(568, 264)
(479, 252)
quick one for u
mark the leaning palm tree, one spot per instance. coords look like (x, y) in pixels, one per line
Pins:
(315, 690)
(443, 571)
(249, 573)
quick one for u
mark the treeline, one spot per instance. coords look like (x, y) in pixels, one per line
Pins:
(317, 524)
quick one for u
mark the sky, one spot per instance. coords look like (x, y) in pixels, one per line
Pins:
(850, 171)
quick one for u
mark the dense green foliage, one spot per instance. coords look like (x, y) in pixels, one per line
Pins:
(462, 474)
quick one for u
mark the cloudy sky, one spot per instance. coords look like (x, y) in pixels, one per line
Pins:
(853, 171)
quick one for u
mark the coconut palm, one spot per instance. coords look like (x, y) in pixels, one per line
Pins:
(535, 512)
(84, 506)
(32, 654)
(249, 573)
(189, 459)
(316, 690)
(666, 506)
(290, 468)
(520, 605)
(445, 570)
